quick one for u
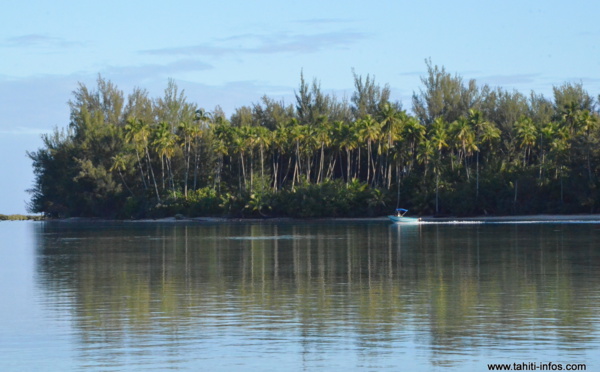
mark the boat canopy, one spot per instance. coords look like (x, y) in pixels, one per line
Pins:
(401, 210)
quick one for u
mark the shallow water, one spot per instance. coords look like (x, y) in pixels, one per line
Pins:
(297, 296)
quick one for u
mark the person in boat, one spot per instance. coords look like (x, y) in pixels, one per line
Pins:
(400, 212)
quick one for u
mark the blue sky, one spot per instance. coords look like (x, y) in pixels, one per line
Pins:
(230, 53)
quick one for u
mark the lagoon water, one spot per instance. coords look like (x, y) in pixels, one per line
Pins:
(297, 296)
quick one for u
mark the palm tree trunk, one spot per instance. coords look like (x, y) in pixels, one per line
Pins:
(368, 161)
(243, 169)
(262, 161)
(477, 177)
(437, 192)
(275, 172)
(125, 183)
(142, 175)
(196, 170)
(331, 167)
(171, 178)
(357, 169)
(348, 165)
(162, 171)
(251, 170)
(187, 171)
(152, 173)
(321, 164)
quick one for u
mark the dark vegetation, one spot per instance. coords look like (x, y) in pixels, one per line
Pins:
(464, 150)
(19, 217)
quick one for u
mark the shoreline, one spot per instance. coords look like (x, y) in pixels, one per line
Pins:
(540, 218)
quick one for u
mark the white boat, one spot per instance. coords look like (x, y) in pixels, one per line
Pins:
(399, 217)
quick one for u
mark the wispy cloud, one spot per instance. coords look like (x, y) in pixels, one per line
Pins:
(413, 73)
(153, 70)
(502, 80)
(584, 80)
(267, 44)
(39, 40)
(323, 21)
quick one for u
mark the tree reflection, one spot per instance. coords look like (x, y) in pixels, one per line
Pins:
(450, 289)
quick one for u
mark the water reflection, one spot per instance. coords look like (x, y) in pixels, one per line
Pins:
(364, 294)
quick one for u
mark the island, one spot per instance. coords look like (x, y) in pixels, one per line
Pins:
(462, 150)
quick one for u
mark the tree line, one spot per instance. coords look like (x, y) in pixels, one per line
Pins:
(464, 149)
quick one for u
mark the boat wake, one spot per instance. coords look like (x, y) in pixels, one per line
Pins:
(508, 222)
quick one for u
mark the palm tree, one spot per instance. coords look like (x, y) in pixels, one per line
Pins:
(370, 131)
(280, 142)
(132, 136)
(588, 124)
(323, 138)
(464, 138)
(438, 136)
(559, 148)
(238, 142)
(310, 145)
(391, 121)
(138, 133)
(569, 115)
(345, 136)
(223, 138)
(164, 144)
(188, 134)
(412, 133)
(425, 154)
(263, 140)
(120, 162)
(527, 134)
(296, 134)
(486, 132)
(547, 133)
(198, 134)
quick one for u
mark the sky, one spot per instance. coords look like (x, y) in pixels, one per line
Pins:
(231, 53)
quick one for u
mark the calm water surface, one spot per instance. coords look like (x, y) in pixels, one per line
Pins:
(295, 296)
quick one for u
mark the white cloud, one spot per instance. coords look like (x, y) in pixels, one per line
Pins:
(40, 40)
(504, 80)
(266, 44)
(146, 71)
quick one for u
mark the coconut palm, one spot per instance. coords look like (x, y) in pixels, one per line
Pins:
(188, 132)
(588, 125)
(486, 133)
(222, 134)
(464, 140)
(391, 121)
(120, 164)
(438, 135)
(345, 137)
(137, 132)
(322, 130)
(164, 142)
(412, 133)
(527, 134)
(263, 140)
(370, 132)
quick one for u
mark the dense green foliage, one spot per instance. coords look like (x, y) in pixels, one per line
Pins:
(464, 150)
